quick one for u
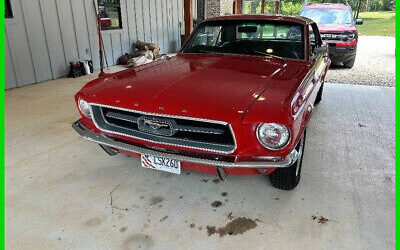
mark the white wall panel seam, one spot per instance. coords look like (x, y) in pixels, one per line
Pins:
(120, 41)
(87, 29)
(127, 23)
(61, 34)
(112, 50)
(73, 25)
(150, 22)
(29, 44)
(11, 58)
(45, 38)
(137, 33)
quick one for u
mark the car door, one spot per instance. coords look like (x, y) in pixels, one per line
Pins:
(315, 77)
(321, 51)
(318, 56)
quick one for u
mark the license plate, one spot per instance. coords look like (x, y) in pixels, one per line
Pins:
(161, 163)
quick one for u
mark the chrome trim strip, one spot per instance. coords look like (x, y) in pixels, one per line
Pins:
(160, 142)
(122, 117)
(92, 136)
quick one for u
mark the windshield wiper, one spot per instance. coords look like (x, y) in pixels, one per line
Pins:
(208, 51)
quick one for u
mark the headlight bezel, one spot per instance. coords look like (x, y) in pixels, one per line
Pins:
(265, 145)
(351, 36)
(85, 111)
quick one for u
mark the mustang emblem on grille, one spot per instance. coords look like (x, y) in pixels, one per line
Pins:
(157, 125)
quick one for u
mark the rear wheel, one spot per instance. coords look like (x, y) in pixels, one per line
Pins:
(288, 178)
(350, 63)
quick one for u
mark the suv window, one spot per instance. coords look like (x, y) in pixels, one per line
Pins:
(328, 16)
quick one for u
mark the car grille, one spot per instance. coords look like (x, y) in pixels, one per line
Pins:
(333, 36)
(213, 136)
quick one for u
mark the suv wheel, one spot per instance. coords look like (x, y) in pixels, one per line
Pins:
(350, 63)
(288, 178)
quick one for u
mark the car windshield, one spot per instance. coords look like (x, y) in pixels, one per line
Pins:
(328, 16)
(256, 38)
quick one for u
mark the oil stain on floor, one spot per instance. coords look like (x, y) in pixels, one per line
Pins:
(237, 226)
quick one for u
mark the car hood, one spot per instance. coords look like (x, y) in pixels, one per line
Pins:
(216, 87)
(334, 28)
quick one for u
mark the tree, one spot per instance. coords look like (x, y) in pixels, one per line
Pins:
(357, 11)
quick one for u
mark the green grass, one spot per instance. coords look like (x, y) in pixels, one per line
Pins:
(377, 23)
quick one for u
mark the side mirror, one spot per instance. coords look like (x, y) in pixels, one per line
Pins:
(359, 21)
(323, 49)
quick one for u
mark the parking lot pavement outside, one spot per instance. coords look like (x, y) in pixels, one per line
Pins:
(65, 193)
(374, 65)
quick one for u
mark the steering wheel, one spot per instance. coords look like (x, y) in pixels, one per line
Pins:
(223, 44)
(289, 53)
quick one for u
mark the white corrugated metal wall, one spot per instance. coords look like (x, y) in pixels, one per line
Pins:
(45, 35)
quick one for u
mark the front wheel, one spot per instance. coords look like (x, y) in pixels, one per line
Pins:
(350, 63)
(288, 178)
(319, 94)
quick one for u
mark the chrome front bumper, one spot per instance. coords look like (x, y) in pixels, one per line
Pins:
(90, 135)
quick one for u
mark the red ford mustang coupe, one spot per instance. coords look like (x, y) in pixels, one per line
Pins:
(235, 100)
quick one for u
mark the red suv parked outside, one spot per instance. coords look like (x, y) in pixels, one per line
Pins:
(337, 27)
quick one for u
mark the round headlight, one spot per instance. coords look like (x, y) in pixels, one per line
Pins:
(273, 136)
(350, 36)
(84, 107)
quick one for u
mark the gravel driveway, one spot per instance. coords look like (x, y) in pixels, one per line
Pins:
(375, 63)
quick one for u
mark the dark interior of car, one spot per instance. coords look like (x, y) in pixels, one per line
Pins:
(230, 40)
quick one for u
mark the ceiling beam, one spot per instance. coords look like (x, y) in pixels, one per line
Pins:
(239, 5)
(262, 6)
(188, 16)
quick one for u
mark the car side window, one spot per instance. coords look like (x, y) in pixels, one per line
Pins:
(208, 36)
(315, 40)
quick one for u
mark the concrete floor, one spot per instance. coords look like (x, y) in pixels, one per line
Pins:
(58, 185)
